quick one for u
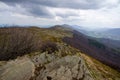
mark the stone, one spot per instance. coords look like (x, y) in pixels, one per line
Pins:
(66, 68)
(22, 69)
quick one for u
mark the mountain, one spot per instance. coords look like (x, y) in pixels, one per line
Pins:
(115, 44)
(94, 48)
(114, 31)
(55, 53)
(109, 37)
(105, 33)
(75, 27)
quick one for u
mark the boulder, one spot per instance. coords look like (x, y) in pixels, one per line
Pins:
(20, 69)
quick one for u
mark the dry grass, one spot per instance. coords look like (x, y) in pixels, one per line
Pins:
(99, 70)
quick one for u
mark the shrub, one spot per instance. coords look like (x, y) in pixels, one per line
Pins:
(49, 46)
(17, 42)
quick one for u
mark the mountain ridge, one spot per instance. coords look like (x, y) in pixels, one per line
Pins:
(52, 58)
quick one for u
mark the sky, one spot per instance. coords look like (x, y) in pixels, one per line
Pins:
(88, 13)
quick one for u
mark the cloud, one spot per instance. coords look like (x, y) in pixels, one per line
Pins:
(39, 8)
(38, 11)
(81, 12)
(26, 9)
(74, 4)
(63, 12)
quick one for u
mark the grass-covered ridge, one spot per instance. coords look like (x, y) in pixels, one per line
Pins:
(18, 41)
(15, 42)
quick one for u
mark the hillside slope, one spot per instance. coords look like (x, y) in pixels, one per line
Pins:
(56, 60)
(94, 49)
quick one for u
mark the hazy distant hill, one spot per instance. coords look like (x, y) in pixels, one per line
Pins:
(109, 37)
(107, 33)
(115, 44)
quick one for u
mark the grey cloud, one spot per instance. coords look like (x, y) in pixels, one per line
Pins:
(30, 8)
(75, 4)
(66, 15)
(38, 8)
(37, 11)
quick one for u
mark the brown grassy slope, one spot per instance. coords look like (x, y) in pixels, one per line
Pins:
(99, 70)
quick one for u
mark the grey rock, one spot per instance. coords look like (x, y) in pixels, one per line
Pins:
(46, 67)
(20, 69)
(66, 68)
(43, 58)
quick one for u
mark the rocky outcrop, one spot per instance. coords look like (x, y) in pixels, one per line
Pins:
(20, 69)
(46, 67)
(66, 68)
